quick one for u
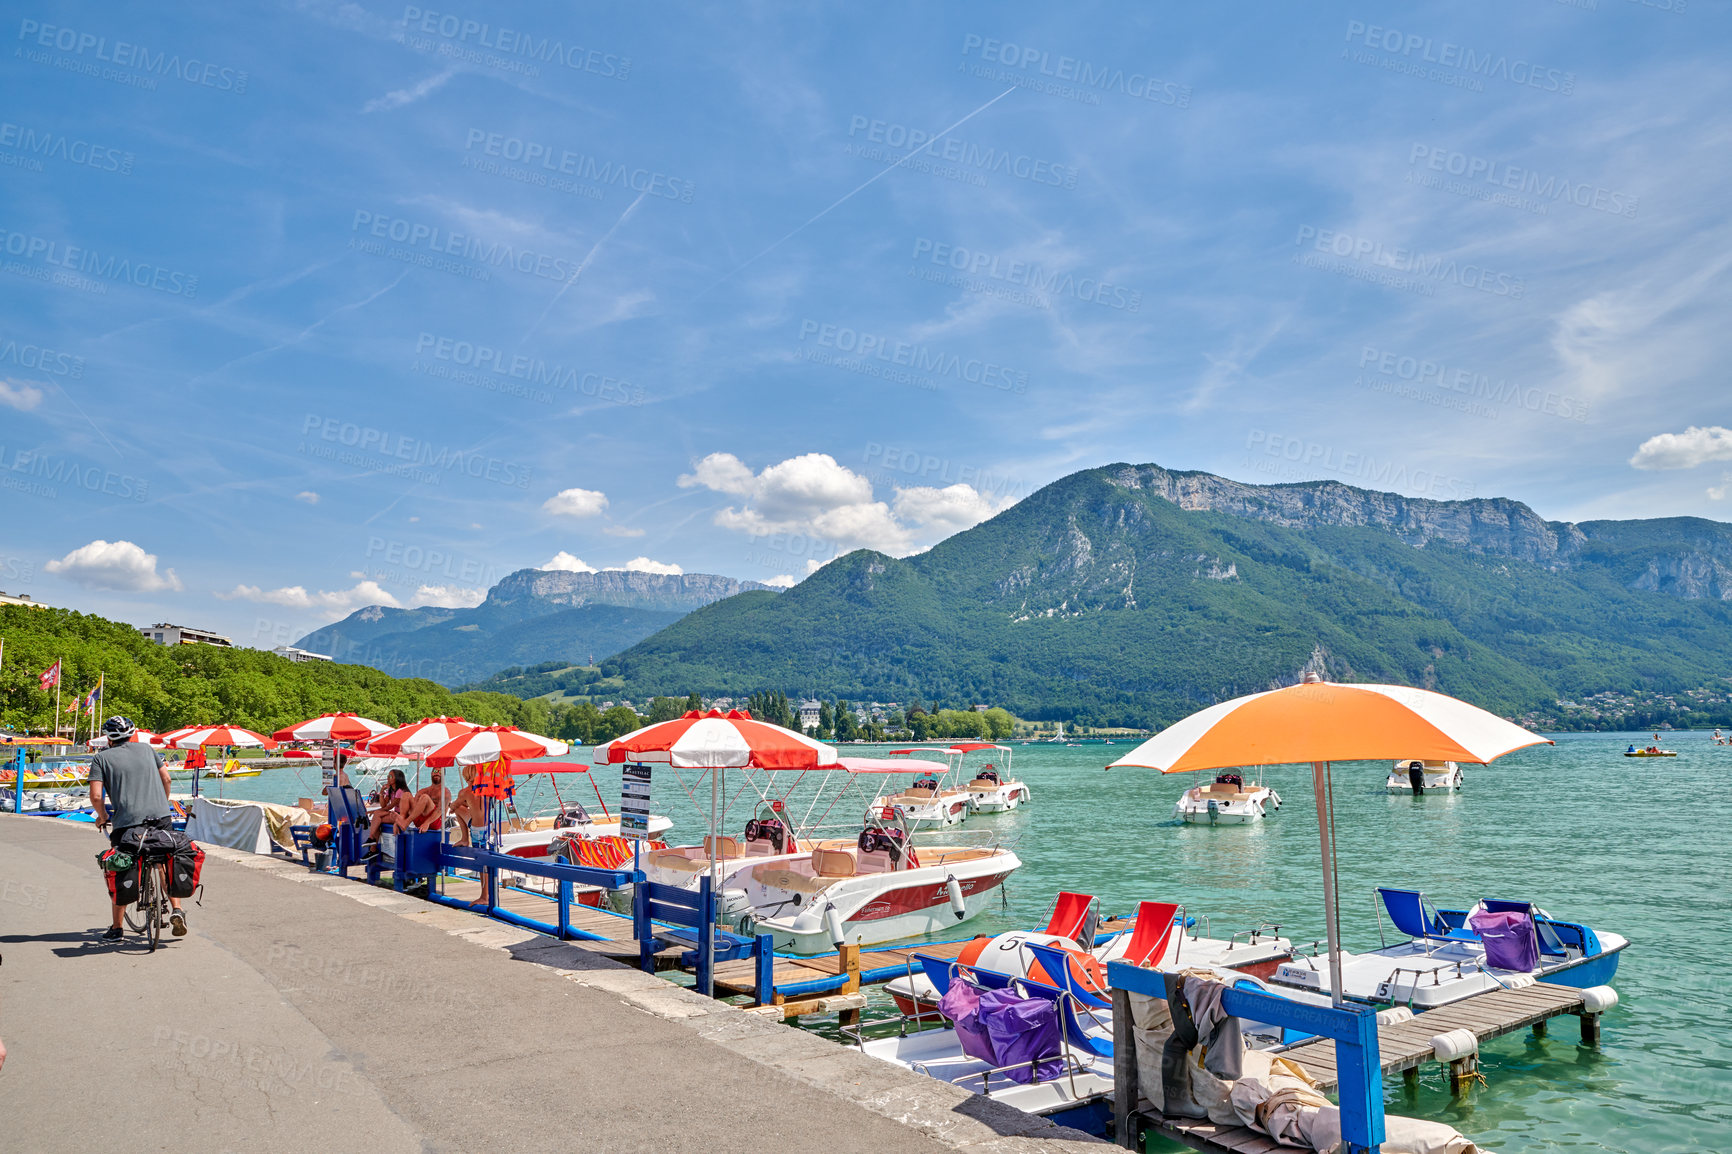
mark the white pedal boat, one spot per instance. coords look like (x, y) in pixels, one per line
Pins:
(1444, 961)
(1226, 801)
(1414, 776)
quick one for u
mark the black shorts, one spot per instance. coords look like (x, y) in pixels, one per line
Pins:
(148, 823)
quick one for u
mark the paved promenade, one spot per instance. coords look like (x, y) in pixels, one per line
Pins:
(306, 1012)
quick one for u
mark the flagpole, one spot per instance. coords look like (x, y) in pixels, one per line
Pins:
(59, 676)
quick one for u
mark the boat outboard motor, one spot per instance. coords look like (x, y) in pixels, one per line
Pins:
(1416, 776)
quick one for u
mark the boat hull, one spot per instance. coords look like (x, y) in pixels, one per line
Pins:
(873, 908)
(1001, 800)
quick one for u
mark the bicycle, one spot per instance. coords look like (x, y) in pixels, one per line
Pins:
(152, 910)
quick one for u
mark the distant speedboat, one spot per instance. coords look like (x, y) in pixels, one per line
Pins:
(1226, 801)
(1651, 751)
(1412, 775)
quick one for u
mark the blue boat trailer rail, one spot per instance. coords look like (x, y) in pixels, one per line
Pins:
(1352, 1027)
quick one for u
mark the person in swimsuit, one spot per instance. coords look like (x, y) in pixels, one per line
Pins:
(470, 810)
(394, 802)
(427, 809)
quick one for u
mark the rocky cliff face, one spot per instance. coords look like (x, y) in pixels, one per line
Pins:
(1497, 526)
(680, 593)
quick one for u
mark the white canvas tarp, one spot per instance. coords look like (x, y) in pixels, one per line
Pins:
(246, 825)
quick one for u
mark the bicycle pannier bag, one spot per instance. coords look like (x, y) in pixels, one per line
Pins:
(184, 868)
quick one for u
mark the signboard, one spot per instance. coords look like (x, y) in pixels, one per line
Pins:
(328, 767)
(634, 802)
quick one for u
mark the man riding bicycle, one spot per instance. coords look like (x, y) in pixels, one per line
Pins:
(129, 783)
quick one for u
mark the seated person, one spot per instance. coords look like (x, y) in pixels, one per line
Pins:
(427, 808)
(394, 802)
(470, 810)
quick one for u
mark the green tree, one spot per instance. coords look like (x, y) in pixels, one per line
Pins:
(999, 723)
(664, 709)
(694, 702)
(847, 728)
(826, 721)
(621, 719)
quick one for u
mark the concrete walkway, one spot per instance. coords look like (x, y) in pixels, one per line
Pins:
(306, 1012)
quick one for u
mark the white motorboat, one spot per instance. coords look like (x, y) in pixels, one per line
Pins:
(1226, 801)
(1415, 776)
(1446, 960)
(881, 888)
(931, 801)
(990, 789)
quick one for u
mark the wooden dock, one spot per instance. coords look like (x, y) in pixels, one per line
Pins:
(1402, 1046)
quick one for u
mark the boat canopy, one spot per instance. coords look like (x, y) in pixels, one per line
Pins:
(527, 768)
(883, 765)
(974, 745)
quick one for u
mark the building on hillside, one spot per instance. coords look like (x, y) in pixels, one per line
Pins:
(978, 708)
(164, 634)
(20, 599)
(809, 714)
(722, 703)
(294, 654)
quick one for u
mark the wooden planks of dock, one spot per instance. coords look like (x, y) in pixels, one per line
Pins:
(1407, 1045)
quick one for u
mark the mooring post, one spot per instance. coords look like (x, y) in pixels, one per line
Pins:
(1462, 1072)
(1410, 1078)
(1540, 1028)
(1590, 1029)
(849, 958)
(1125, 1089)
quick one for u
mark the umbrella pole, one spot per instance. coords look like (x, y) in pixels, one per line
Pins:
(1321, 785)
(709, 930)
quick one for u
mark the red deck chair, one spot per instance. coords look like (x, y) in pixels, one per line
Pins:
(1154, 929)
(1068, 914)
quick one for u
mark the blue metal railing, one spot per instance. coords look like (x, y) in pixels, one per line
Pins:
(1359, 1070)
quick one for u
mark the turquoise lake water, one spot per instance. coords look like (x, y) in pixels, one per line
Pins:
(1640, 847)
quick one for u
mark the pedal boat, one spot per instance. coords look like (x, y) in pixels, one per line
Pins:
(1444, 960)
(1416, 777)
(1226, 801)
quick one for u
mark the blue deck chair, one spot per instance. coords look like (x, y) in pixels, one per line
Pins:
(1066, 977)
(1075, 1036)
(1416, 917)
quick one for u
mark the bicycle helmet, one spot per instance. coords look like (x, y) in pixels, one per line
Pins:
(117, 730)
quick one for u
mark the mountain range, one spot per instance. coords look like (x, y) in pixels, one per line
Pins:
(1133, 594)
(531, 616)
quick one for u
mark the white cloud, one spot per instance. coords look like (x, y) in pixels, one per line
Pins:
(19, 395)
(563, 562)
(814, 495)
(337, 603)
(785, 581)
(576, 503)
(308, 496)
(1694, 446)
(645, 565)
(403, 96)
(118, 565)
(447, 597)
(622, 531)
(950, 509)
(1718, 492)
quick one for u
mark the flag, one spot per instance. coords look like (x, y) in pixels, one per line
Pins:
(95, 696)
(51, 676)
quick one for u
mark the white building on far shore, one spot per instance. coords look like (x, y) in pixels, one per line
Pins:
(165, 634)
(294, 654)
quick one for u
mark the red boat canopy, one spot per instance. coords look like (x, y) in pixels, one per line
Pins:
(972, 746)
(880, 765)
(527, 768)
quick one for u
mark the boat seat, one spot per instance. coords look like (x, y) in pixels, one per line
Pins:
(759, 847)
(722, 846)
(833, 863)
(1413, 915)
(876, 862)
(979, 783)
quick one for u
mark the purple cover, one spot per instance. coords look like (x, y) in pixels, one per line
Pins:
(1022, 1030)
(1510, 941)
(961, 1004)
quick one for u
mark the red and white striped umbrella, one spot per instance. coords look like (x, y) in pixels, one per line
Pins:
(717, 740)
(417, 737)
(220, 735)
(491, 743)
(168, 738)
(333, 727)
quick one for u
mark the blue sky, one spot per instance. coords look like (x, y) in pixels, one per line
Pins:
(314, 306)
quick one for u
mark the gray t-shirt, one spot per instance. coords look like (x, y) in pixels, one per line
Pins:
(131, 777)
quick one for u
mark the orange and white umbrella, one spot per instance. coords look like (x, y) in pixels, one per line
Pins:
(333, 727)
(418, 737)
(492, 743)
(218, 735)
(717, 740)
(1323, 722)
